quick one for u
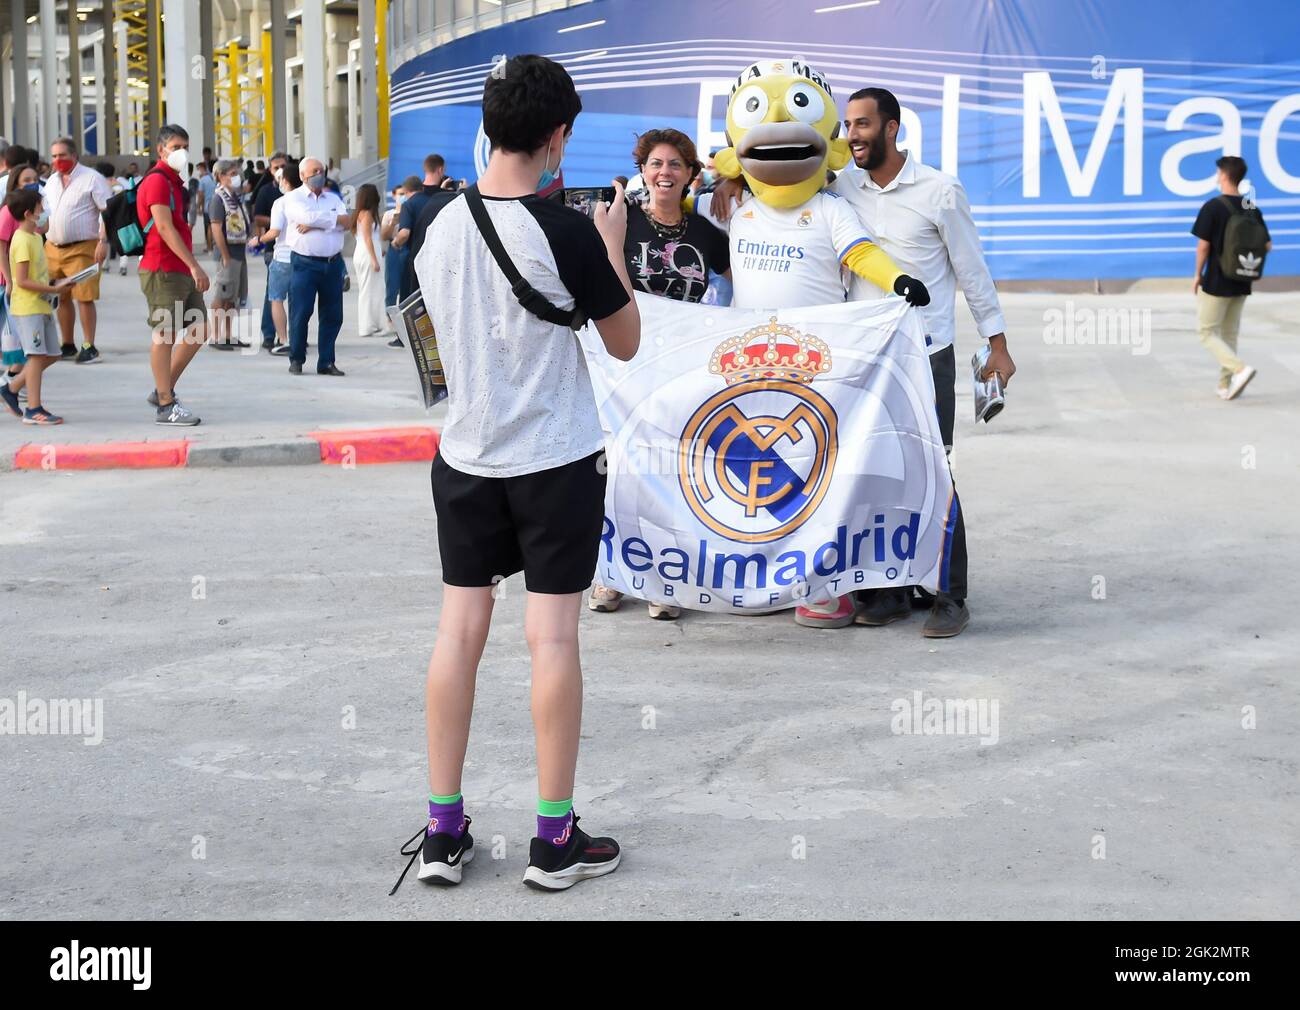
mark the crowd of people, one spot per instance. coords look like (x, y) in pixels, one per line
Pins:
(55, 275)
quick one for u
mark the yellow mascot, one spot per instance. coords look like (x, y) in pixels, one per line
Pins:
(790, 238)
(792, 241)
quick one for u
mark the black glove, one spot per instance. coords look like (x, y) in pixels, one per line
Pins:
(911, 289)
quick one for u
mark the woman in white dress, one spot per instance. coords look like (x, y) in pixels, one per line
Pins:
(367, 261)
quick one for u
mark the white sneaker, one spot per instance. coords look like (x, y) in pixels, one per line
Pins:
(1239, 382)
(604, 601)
(664, 612)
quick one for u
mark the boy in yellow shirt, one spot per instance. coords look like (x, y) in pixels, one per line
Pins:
(30, 313)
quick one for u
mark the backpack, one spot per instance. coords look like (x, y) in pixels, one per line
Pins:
(122, 223)
(1245, 243)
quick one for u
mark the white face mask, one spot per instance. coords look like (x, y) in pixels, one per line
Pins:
(178, 161)
(235, 180)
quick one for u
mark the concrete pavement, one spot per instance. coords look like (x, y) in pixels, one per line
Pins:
(258, 638)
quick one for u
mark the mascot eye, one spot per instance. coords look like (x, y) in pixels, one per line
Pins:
(749, 108)
(805, 103)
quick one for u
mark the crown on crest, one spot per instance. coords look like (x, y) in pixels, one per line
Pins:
(773, 351)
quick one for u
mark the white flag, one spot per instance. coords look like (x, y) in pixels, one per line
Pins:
(760, 457)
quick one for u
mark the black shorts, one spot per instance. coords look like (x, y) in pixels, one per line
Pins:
(545, 524)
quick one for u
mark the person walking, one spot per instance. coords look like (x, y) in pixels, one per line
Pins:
(1220, 297)
(31, 316)
(76, 196)
(317, 222)
(367, 262)
(170, 277)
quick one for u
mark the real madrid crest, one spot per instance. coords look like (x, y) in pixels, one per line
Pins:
(756, 458)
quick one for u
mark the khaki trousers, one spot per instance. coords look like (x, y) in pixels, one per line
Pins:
(1218, 319)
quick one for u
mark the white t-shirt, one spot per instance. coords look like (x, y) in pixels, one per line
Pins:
(278, 222)
(519, 398)
(787, 258)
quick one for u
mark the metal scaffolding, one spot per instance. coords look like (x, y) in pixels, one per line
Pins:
(244, 117)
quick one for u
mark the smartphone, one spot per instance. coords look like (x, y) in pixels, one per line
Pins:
(585, 198)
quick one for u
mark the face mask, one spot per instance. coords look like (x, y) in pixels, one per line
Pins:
(548, 177)
(235, 180)
(279, 173)
(64, 165)
(316, 183)
(33, 186)
(178, 160)
(41, 218)
(706, 177)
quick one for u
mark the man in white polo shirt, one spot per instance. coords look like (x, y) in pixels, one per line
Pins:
(76, 196)
(317, 222)
(922, 219)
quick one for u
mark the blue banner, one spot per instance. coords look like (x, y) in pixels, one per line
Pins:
(1085, 132)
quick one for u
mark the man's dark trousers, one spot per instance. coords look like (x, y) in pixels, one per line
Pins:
(268, 321)
(313, 278)
(943, 366)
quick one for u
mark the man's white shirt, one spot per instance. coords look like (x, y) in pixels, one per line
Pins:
(923, 220)
(75, 208)
(788, 258)
(321, 213)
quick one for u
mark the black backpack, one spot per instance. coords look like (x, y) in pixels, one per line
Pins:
(1245, 242)
(122, 224)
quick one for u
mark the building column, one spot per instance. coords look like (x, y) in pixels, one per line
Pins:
(181, 45)
(125, 114)
(208, 129)
(153, 52)
(23, 125)
(74, 78)
(49, 79)
(106, 80)
(369, 84)
(315, 119)
(279, 102)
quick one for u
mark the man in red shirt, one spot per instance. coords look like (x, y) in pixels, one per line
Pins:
(170, 277)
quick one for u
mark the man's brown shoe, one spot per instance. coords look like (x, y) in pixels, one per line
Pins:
(948, 618)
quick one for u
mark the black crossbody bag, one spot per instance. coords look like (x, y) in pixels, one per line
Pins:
(528, 296)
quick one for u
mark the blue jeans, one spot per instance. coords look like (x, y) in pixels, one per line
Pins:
(315, 279)
(394, 267)
(268, 322)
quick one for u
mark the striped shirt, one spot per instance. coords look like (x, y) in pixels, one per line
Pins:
(75, 206)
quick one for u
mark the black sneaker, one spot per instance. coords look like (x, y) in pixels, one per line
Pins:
(552, 868)
(884, 606)
(442, 856)
(10, 398)
(280, 349)
(68, 350)
(87, 356)
(396, 342)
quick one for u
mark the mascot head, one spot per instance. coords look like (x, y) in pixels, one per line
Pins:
(784, 132)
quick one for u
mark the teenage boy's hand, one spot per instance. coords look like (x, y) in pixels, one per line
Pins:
(200, 278)
(611, 219)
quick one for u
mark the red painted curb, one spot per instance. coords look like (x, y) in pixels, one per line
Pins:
(109, 456)
(377, 445)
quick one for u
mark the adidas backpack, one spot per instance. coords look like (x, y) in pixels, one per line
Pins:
(1245, 242)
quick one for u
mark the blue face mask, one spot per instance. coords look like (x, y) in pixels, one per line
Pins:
(548, 177)
(33, 186)
(316, 183)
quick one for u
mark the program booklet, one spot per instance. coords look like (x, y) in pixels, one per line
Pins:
(423, 342)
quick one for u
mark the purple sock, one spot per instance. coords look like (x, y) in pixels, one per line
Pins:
(449, 818)
(555, 829)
